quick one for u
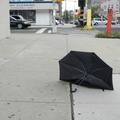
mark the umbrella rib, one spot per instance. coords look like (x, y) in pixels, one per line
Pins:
(91, 64)
(80, 79)
(91, 81)
(78, 85)
(97, 70)
(79, 70)
(99, 80)
(90, 67)
(74, 67)
(80, 62)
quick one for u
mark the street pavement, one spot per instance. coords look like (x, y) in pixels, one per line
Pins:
(63, 29)
(114, 28)
(30, 88)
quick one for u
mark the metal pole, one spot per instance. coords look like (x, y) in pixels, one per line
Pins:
(88, 26)
(89, 4)
(89, 14)
(54, 28)
(74, 12)
(65, 11)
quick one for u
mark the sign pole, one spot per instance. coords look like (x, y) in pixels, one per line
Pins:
(54, 28)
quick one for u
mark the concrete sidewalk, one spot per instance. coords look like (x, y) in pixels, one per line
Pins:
(30, 88)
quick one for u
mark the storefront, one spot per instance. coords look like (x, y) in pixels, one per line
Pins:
(39, 13)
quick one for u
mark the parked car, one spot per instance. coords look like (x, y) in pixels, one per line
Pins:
(114, 22)
(20, 24)
(99, 21)
(57, 22)
(77, 22)
(60, 19)
(72, 22)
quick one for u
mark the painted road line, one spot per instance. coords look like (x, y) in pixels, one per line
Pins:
(41, 30)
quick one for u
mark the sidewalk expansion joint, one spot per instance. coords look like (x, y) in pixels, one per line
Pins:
(32, 101)
(72, 102)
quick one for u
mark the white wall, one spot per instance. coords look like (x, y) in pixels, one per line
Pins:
(42, 17)
(4, 19)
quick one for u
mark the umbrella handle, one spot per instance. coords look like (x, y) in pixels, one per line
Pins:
(77, 87)
(74, 90)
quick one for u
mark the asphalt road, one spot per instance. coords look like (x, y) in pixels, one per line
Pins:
(31, 30)
(102, 28)
(69, 29)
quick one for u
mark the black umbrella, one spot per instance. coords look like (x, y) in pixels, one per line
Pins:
(87, 69)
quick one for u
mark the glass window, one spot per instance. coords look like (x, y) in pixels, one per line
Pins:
(29, 15)
(98, 19)
(104, 19)
(12, 19)
(112, 6)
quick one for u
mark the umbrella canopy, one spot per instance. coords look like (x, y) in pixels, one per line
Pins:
(86, 68)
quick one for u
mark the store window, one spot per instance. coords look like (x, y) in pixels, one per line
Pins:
(27, 14)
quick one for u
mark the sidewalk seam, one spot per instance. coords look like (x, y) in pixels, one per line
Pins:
(72, 103)
(71, 94)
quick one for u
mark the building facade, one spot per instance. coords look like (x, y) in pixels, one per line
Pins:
(4, 19)
(114, 4)
(39, 12)
(97, 2)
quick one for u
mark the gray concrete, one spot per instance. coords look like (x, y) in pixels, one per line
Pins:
(4, 19)
(29, 78)
(94, 104)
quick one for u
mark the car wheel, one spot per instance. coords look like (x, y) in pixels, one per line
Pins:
(19, 26)
(96, 23)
